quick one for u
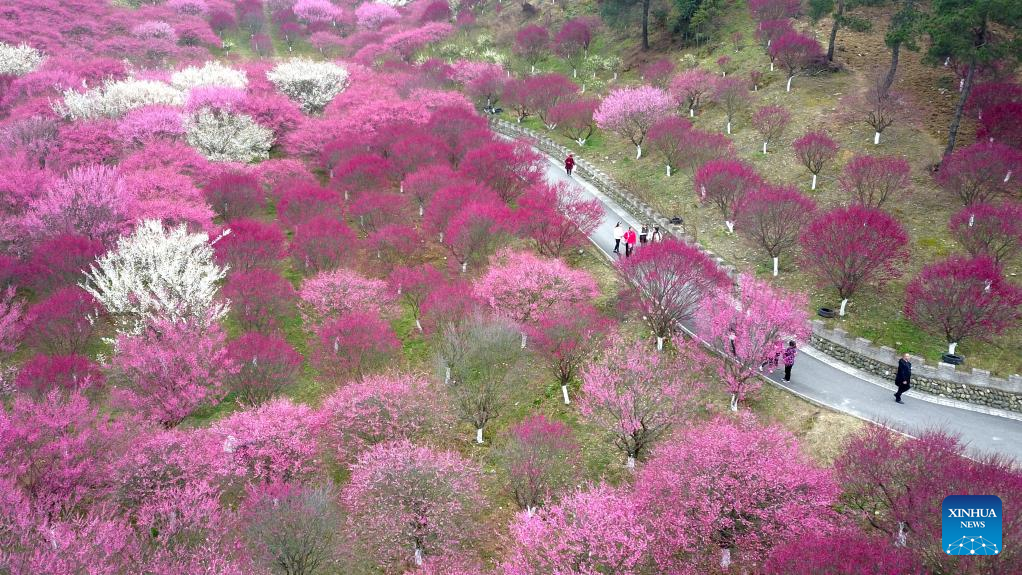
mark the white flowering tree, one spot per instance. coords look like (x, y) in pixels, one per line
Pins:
(18, 60)
(225, 137)
(309, 83)
(158, 273)
(211, 73)
(114, 99)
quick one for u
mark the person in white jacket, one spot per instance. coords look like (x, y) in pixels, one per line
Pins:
(619, 233)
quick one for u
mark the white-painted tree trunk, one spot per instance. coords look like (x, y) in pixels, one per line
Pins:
(844, 303)
(549, 127)
(464, 267)
(529, 510)
(669, 171)
(764, 147)
(418, 325)
(730, 226)
(814, 182)
(533, 71)
(725, 559)
(659, 343)
(564, 392)
(418, 557)
(581, 141)
(630, 462)
(961, 84)
(441, 237)
(790, 78)
(947, 61)
(421, 210)
(952, 346)
(776, 261)
(574, 72)
(638, 152)
(401, 188)
(479, 435)
(729, 128)
(972, 220)
(525, 339)
(447, 376)
(1007, 177)
(691, 112)
(615, 76)
(901, 538)
(771, 66)
(583, 89)
(723, 74)
(734, 402)
(876, 138)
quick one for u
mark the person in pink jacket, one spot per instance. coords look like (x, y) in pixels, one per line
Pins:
(630, 239)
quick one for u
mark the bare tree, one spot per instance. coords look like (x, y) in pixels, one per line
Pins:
(292, 528)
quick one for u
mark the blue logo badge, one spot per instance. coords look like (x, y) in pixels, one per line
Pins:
(971, 525)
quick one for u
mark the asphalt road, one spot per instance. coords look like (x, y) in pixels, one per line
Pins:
(822, 380)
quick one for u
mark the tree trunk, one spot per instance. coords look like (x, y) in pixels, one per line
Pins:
(734, 402)
(776, 262)
(525, 339)
(844, 303)
(764, 147)
(638, 151)
(659, 343)
(630, 463)
(889, 80)
(418, 324)
(814, 182)
(725, 559)
(479, 435)
(956, 118)
(564, 392)
(833, 29)
(951, 347)
(645, 24)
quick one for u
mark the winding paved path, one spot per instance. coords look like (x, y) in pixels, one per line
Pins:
(824, 381)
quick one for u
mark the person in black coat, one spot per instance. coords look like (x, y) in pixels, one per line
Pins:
(903, 377)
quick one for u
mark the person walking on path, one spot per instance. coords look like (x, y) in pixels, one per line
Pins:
(629, 241)
(657, 236)
(569, 163)
(619, 234)
(644, 234)
(903, 378)
(789, 359)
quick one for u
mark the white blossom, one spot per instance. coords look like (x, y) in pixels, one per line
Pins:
(311, 84)
(18, 60)
(113, 99)
(210, 74)
(225, 137)
(158, 273)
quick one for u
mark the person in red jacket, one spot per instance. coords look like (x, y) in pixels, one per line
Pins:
(569, 163)
(630, 239)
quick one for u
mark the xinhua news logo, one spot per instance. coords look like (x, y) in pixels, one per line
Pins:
(971, 525)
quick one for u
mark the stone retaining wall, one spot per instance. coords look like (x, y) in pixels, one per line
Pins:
(973, 386)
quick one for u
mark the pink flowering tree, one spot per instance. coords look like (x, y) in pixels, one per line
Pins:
(723, 183)
(992, 230)
(448, 304)
(893, 484)
(63, 322)
(574, 118)
(667, 138)
(557, 218)
(795, 52)
(961, 298)
(814, 150)
(852, 247)
(521, 286)
(251, 244)
(235, 195)
(723, 493)
(1000, 124)
(412, 285)
(762, 10)
(374, 410)
(871, 180)
(271, 442)
(87, 201)
(60, 260)
(566, 338)
(733, 95)
(690, 87)
(701, 147)
(770, 122)
(541, 460)
(407, 503)
(375, 15)
(981, 172)
(334, 293)
(572, 42)
(473, 231)
(322, 243)
(261, 299)
(637, 395)
(65, 374)
(266, 365)
(172, 368)
(773, 217)
(749, 327)
(531, 44)
(480, 361)
(668, 280)
(658, 72)
(597, 530)
(845, 552)
(353, 344)
(631, 112)
(507, 168)
(56, 449)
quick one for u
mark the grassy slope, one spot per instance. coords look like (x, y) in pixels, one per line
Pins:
(818, 103)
